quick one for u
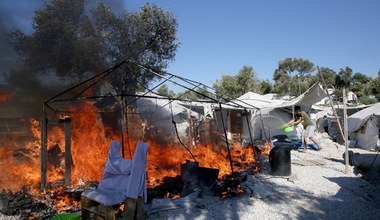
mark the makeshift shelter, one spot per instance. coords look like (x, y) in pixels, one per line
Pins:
(363, 127)
(270, 114)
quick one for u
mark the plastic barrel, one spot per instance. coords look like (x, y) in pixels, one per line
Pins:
(280, 160)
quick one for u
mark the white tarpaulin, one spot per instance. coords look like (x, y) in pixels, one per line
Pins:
(274, 113)
(122, 178)
(313, 95)
(363, 127)
(357, 120)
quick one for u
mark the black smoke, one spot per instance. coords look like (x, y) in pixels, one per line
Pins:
(31, 88)
(18, 15)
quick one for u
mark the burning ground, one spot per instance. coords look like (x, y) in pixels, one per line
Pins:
(317, 189)
(20, 159)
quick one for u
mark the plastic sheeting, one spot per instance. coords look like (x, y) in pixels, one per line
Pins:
(363, 127)
(122, 177)
(358, 120)
(313, 95)
(367, 137)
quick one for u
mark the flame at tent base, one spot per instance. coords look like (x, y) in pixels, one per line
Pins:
(90, 144)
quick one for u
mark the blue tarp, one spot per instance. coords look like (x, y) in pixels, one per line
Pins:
(296, 145)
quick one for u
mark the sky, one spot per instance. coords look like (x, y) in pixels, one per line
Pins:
(220, 36)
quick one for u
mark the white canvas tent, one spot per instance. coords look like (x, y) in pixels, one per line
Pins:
(363, 127)
(268, 115)
(313, 95)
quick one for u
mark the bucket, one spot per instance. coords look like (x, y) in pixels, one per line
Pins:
(71, 216)
(280, 160)
(288, 128)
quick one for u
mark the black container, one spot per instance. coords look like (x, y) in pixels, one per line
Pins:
(280, 160)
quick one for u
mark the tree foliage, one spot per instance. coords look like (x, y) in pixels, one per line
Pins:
(367, 100)
(200, 93)
(164, 90)
(328, 75)
(266, 87)
(72, 40)
(360, 83)
(286, 82)
(374, 87)
(343, 78)
(233, 86)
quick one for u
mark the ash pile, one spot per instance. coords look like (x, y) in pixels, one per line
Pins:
(23, 205)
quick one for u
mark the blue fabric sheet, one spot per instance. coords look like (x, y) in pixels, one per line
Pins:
(122, 177)
(296, 145)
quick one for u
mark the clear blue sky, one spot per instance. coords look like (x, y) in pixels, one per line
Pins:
(220, 36)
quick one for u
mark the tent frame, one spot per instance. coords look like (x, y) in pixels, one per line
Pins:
(183, 82)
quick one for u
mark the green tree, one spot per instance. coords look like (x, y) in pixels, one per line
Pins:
(343, 78)
(367, 100)
(198, 94)
(72, 40)
(360, 78)
(374, 87)
(265, 87)
(164, 90)
(233, 86)
(286, 82)
(328, 75)
(359, 84)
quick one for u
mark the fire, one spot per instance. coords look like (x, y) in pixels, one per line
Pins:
(17, 174)
(6, 96)
(90, 144)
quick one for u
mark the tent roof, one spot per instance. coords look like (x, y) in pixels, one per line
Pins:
(256, 100)
(358, 119)
(314, 94)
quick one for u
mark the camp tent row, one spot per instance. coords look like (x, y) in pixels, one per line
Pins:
(268, 115)
(261, 115)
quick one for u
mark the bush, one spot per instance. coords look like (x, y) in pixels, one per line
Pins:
(367, 100)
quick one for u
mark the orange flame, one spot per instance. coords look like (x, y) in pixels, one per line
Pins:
(6, 96)
(90, 143)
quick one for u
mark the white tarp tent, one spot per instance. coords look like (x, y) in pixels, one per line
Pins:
(266, 116)
(363, 127)
(313, 95)
(270, 114)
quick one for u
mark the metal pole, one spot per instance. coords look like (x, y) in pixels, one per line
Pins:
(123, 115)
(264, 132)
(44, 122)
(226, 137)
(346, 157)
(68, 158)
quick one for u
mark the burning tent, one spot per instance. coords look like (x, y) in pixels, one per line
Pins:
(69, 146)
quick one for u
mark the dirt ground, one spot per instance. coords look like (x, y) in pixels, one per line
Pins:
(317, 189)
